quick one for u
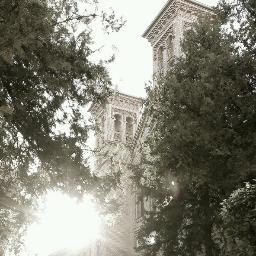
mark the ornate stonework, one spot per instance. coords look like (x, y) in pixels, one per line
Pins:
(172, 21)
(169, 12)
(126, 107)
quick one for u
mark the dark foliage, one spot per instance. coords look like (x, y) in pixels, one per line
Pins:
(46, 81)
(201, 142)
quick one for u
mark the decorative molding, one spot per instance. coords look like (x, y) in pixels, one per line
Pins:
(167, 15)
(161, 25)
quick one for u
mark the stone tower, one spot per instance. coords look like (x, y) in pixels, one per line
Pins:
(117, 123)
(167, 30)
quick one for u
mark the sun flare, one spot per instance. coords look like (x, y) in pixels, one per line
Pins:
(63, 224)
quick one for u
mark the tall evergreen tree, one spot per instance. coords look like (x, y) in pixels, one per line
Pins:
(46, 80)
(201, 137)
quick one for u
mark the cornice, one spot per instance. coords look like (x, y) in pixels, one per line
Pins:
(149, 28)
(121, 97)
(115, 97)
(168, 12)
(125, 95)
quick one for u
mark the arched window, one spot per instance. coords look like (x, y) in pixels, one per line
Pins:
(117, 127)
(129, 129)
(160, 58)
(139, 204)
(169, 45)
(98, 248)
(100, 132)
(102, 123)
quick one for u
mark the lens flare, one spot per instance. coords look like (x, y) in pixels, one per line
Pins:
(63, 224)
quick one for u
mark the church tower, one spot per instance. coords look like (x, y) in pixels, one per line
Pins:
(166, 31)
(117, 122)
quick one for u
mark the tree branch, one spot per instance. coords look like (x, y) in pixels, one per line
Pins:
(78, 17)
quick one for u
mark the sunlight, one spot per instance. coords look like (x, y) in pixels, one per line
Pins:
(64, 224)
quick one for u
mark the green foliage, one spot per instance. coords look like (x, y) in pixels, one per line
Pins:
(46, 81)
(201, 135)
(238, 230)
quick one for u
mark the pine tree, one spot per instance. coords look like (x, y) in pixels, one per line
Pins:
(201, 137)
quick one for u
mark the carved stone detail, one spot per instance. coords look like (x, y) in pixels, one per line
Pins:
(188, 9)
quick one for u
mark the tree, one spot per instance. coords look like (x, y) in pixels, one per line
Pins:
(46, 80)
(201, 134)
(238, 231)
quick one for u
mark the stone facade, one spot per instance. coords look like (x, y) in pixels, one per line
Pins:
(122, 128)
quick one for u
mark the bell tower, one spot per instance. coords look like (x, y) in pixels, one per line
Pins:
(166, 31)
(117, 122)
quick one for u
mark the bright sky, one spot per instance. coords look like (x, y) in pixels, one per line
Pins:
(133, 64)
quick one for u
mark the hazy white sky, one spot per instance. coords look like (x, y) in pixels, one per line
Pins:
(132, 67)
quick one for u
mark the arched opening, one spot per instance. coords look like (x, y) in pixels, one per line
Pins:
(98, 248)
(129, 129)
(139, 204)
(100, 131)
(117, 127)
(160, 58)
(169, 45)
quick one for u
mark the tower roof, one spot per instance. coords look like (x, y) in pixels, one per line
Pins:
(162, 11)
(115, 95)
